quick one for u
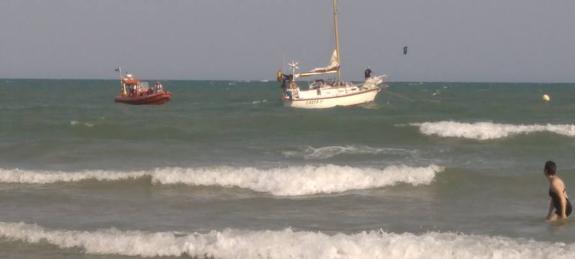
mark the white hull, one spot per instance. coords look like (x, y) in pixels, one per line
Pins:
(330, 102)
(329, 97)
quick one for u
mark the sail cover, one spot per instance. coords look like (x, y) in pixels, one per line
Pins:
(333, 67)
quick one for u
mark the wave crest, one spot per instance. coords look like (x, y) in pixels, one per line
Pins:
(287, 244)
(320, 153)
(79, 123)
(489, 130)
(288, 181)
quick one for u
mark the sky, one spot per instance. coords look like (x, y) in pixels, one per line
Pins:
(448, 40)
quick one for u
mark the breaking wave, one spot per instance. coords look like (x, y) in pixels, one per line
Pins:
(489, 130)
(312, 153)
(288, 181)
(287, 244)
(79, 123)
(259, 101)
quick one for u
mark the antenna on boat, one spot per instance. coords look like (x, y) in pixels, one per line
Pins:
(119, 70)
(294, 66)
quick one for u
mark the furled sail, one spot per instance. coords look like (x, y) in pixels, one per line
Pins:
(333, 67)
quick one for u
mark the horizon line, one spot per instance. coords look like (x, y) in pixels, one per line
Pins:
(272, 80)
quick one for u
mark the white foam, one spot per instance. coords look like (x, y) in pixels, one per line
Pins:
(287, 181)
(48, 177)
(319, 153)
(489, 130)
(300, 180)
(259, 101)
(288, 244)
(78, 123)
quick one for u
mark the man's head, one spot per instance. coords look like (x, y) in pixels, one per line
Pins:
(550, 168)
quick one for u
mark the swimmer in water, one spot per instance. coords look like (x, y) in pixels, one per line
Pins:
(559, 205)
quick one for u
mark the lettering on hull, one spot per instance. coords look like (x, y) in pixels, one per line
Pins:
(313, 101)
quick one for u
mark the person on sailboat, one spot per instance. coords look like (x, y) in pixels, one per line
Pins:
(282, 78)
(367, 73)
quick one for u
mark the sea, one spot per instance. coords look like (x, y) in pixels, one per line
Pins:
(224, 170)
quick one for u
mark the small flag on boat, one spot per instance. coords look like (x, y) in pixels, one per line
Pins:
(117, 69)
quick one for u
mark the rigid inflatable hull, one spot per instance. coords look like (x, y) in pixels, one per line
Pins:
(155, 99)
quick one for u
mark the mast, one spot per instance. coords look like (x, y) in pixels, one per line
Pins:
(336, 33)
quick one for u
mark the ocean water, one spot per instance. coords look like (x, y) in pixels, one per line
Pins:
(430, 170)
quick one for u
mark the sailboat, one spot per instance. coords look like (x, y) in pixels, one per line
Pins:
(323, 93)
